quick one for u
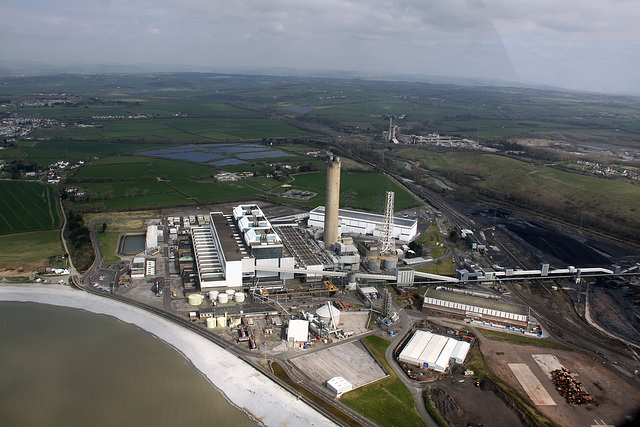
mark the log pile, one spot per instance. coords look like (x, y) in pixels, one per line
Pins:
(570, 388)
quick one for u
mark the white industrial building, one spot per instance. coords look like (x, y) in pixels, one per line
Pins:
(339, 385)
(298, 331)
(461, 306)
(427, 350)
(366, 223)
(233, 247)
(152, 237)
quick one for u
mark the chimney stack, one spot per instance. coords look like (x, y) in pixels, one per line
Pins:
(332, 202)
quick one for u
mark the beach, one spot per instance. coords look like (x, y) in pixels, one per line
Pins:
(244, 386)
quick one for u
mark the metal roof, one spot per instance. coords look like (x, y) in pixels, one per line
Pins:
(368, 216)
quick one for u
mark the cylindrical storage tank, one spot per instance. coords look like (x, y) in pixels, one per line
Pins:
(230, 294)
(195, 299)
(222, 321)
(351, 285)
(223, 298)
(328, 311)
(213, 295)
(211, 322)
(390, 262)
(239, 296)
(374, 264)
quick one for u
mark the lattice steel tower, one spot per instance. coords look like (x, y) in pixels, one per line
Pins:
(388, 242)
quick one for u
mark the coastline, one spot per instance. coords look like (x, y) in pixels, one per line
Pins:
(240, 383)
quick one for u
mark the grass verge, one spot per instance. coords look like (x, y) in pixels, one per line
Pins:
(387, 402)
(108, 242)
(523, 340)
(280, 373)
(431, 408)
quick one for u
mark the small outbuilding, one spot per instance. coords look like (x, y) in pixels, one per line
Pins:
(339, 385)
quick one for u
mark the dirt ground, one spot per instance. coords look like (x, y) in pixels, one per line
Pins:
(617, 398)
(461, 403)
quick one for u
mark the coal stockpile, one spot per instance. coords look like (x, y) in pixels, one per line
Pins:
(557, 244)
(571, 389)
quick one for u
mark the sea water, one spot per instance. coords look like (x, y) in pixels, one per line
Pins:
(67, 367)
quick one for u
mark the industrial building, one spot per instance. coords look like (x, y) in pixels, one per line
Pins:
(235, 247)
(428, 350)
(463, 306)
(366, 223)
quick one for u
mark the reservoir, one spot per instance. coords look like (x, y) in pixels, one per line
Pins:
(68, 367)
(132, 244)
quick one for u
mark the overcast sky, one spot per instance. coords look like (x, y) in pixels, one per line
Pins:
(576, 44)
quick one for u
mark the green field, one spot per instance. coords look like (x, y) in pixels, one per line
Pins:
(610, 205)
(108, 245)
(29, 251)
(26, 206)
(387, 402)
(360, 190)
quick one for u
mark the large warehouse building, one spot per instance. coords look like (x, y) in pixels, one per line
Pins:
(462, 306)
(427, 350)
(366, 223)
(234, 247)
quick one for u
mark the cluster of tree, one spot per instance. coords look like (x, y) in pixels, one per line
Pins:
(17, 168)
(79, 238)
(415, 250)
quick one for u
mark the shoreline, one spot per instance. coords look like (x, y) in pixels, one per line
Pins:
(241, 384)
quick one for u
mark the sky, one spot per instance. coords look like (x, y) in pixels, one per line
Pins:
(591, 45)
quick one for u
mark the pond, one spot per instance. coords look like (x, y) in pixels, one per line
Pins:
(132, 244)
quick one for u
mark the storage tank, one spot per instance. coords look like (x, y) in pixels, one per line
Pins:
(230, 294)
(239, 296)
(213, 295)
(211, 322)
(222, 321)
(374, 264)
(326, 312)
(223, 298)
(390, 262)
(195, 299)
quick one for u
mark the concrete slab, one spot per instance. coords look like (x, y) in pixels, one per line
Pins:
(350, 361)
(547, 362)
(356, 321)
(531, 385)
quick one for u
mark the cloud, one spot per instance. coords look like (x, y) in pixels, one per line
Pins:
(504, 39)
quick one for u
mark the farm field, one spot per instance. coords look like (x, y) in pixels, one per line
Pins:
(23, 253)
(26, 206)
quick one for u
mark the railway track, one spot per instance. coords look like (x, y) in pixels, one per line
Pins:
(580, 337)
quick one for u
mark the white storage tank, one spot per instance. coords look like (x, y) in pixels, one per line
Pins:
(213, 295)
(195, 299)
(326, 312)
(239, 296)
(223, 298)
(211, 322)
(230, 294)
(222, 321)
